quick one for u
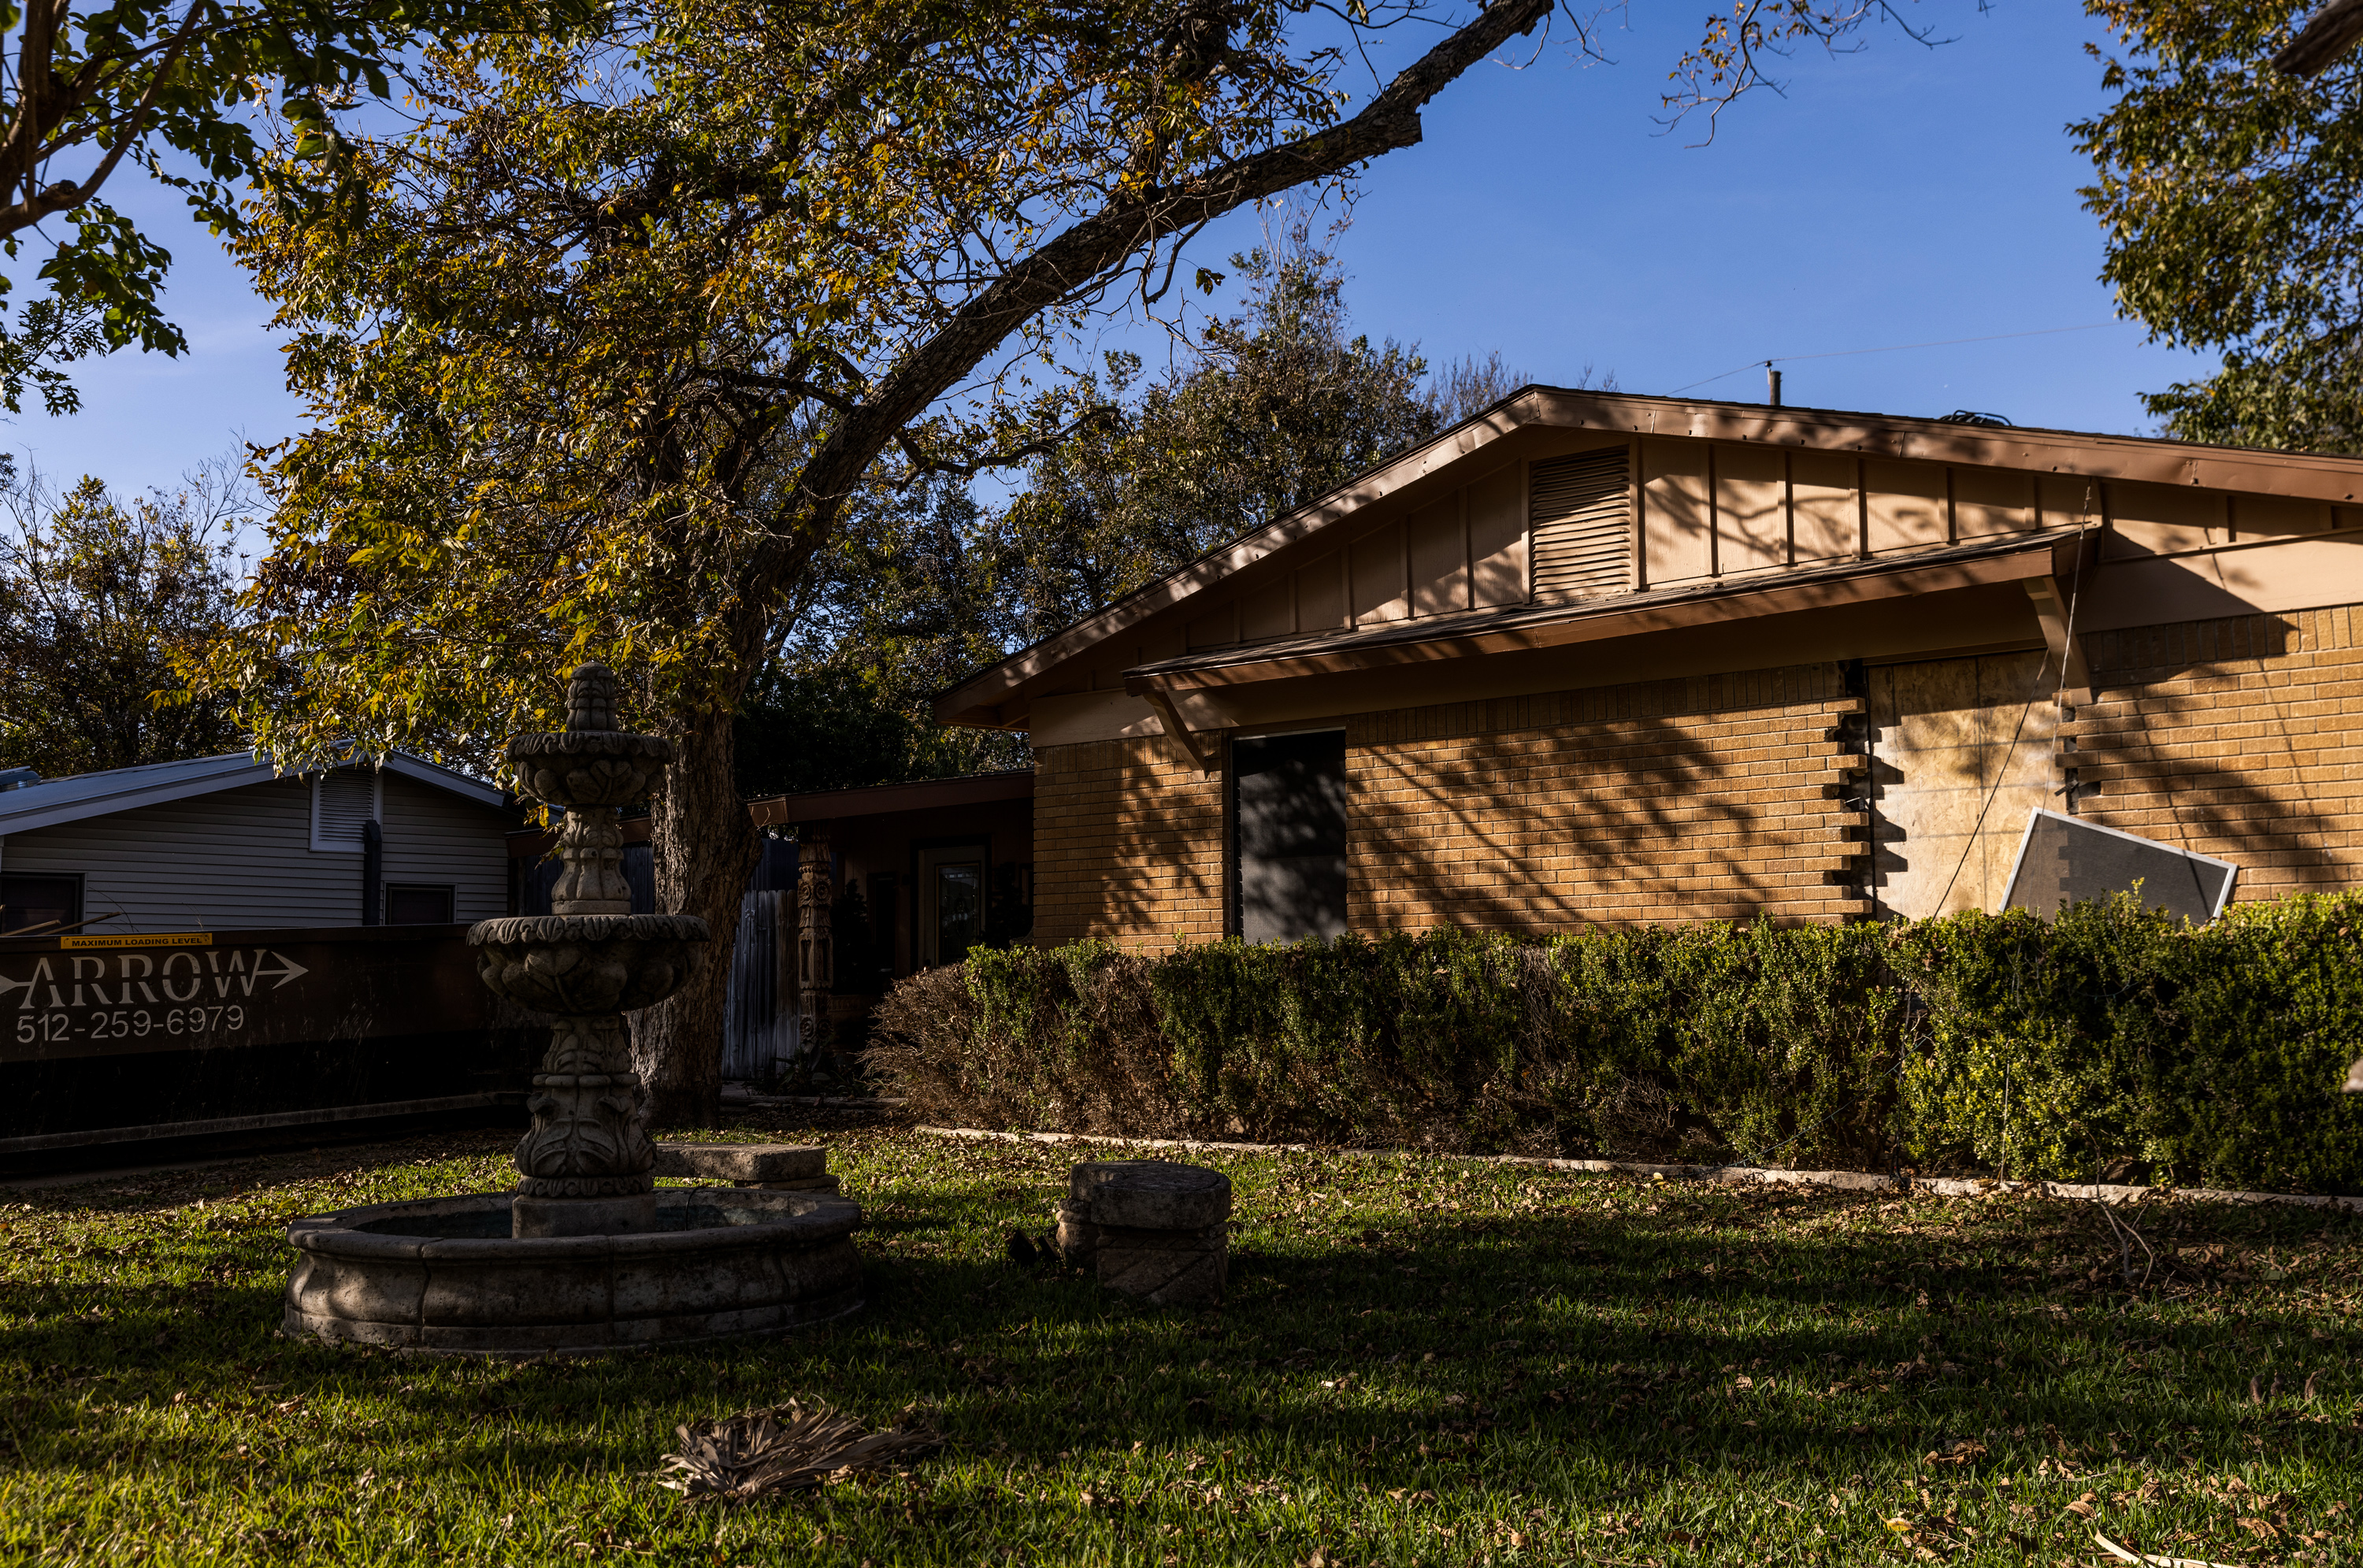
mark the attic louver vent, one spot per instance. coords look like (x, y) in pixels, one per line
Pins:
(1582, 523)
(341, 802)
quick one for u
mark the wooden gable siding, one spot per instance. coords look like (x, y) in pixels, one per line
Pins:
(243, 858)
(1699, 511)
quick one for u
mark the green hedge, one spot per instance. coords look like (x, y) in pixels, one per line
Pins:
(1975, 1043)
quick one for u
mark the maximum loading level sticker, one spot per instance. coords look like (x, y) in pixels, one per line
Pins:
(156, 939)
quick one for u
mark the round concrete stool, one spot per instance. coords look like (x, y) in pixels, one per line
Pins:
(1150, 1228)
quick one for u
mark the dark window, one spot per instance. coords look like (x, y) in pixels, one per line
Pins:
(410, 903)
(881, 925)
(38, 900)
(1288, 843)
(959, 910)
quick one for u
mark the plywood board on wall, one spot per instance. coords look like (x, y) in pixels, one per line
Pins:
(1497, 538)
(1826, 509)
(1961, 749)
(1751, 508)
(1906, 503)
(1678, 544)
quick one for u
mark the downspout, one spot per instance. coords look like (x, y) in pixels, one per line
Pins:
(372, 873)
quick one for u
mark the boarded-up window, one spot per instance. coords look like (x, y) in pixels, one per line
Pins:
(1288, 852)
(1582, 521)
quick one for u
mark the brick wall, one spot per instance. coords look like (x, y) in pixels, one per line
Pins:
(1127, 844)
(1674, 799)
(2235, 738)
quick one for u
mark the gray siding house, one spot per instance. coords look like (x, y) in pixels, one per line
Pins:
(223, 843)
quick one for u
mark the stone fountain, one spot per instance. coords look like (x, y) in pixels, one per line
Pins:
(586, 1255)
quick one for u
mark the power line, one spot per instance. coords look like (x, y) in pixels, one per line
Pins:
(1893, 348)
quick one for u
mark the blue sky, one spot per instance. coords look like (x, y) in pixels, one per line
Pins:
(1896, 195)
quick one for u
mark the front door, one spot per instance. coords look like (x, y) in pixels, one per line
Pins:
(951, 903)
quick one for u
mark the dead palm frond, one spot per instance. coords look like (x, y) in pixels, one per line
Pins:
(785, 1448)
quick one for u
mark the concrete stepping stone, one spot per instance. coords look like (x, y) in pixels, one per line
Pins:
(775, 1167)
(1149, 1228)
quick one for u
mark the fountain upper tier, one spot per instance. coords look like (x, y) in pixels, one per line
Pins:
(589, 770)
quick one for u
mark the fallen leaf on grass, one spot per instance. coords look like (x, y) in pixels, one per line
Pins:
(2083, 1505)
(2150, 1559)
(784, 1447)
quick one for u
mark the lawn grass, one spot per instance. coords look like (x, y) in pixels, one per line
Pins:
(1421, 1360)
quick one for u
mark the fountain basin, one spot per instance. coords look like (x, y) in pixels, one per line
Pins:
(585, 965)
(444, 1276)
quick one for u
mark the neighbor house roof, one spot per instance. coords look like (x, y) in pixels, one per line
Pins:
(999, 695)
(116, 789)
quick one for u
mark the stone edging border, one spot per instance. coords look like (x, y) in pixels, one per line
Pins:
(1849, 1181)
(828, 1101)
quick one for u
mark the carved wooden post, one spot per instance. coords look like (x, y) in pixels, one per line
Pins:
(816, 944)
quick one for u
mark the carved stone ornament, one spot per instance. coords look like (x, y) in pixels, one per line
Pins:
(589, 962)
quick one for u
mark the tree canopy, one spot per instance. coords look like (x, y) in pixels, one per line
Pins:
(91, 87)
(2228, 189)
(97, 597)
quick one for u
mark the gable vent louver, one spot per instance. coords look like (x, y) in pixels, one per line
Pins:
(1582, 521)
(343, 802)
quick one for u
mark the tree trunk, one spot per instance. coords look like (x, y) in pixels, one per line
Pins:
(705, 852)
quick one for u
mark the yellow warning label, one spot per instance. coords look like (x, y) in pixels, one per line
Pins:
(159, 939)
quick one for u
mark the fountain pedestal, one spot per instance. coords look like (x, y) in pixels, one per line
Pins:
(587, 1168)
(586, 1255)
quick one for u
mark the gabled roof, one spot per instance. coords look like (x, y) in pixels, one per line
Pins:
(116, 789)
(2308, 476)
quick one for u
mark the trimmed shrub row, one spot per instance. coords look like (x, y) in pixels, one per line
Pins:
(2213, 1054)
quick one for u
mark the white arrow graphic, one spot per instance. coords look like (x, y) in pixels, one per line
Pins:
(288, 969)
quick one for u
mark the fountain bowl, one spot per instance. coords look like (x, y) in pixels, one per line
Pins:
(584, 964)
(444, 1276)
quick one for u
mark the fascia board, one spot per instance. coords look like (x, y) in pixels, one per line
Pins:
(234, 774)
(445, 778)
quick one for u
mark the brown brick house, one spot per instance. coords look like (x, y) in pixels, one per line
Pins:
(1595, 657)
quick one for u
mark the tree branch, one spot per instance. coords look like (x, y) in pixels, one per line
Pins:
(1087, 253)
(2331, 32)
